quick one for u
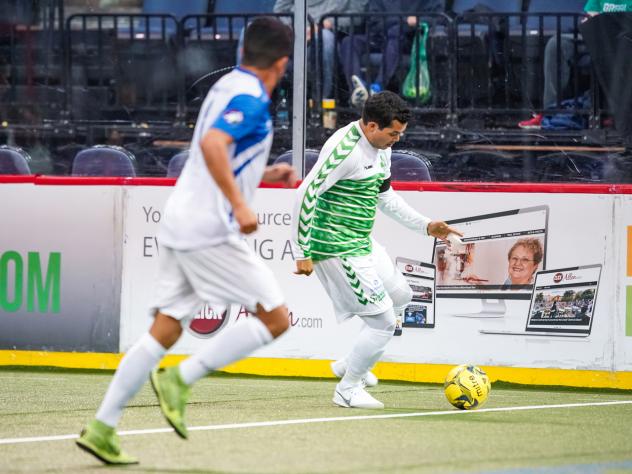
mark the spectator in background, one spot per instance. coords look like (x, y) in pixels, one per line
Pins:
(389, 35)
(317, 9)
(566, 59)
(607, 39)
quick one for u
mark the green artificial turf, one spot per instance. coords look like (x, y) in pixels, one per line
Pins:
(55, 402)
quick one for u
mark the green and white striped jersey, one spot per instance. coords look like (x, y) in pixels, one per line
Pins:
(337, 201)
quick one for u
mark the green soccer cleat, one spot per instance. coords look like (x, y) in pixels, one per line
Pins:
(172, 395)
(101, 441)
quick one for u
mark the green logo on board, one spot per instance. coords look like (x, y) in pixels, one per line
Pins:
(30, 280)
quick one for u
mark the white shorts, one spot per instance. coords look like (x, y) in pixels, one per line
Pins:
(228, 273)
(359, 285)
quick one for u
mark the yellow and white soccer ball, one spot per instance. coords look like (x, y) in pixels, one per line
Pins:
(467, 387)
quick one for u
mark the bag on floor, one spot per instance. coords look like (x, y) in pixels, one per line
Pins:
(417, 82)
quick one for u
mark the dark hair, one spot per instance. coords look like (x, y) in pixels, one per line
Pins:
(384, 107)
(266, 40)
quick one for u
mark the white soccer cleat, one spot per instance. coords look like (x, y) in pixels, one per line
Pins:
(339, 368)
(356, 397)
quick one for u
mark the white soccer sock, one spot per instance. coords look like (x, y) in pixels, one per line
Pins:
(340, 366)
(369, 347)
(130, 376)
(230, 345)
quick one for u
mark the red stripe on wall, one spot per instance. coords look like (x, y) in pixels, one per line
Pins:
(102, 181)
(398, 185)
(17, 178)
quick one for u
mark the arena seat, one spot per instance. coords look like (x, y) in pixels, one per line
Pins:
(232, 26)
(549, 22)
(311, 156)
(463, 6)
(14, 160)
(176, 163)
(409, 166)
(178, 9)
(104, 160)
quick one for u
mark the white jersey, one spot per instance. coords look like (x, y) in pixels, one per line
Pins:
(197, 213)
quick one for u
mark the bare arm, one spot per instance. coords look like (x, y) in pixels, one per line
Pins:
(280, 173)
(214, 146)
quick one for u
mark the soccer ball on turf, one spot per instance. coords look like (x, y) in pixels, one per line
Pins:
(467, 387)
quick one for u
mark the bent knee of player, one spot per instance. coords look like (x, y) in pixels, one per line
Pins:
(276, 320)
(401, 296)
(389, 321)
(165, 329)
(382, 321)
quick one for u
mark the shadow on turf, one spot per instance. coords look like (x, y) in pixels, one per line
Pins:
(498, 384)
(544, 462)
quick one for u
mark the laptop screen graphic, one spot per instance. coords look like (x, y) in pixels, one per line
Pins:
(564, 300)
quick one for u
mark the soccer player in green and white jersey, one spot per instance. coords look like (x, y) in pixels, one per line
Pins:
(332, 222)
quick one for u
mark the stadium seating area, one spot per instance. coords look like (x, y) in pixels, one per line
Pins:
(137, 79)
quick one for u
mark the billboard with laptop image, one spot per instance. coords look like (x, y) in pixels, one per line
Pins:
(562, 304)
(500, 255)
(420, 312)
(564, 300)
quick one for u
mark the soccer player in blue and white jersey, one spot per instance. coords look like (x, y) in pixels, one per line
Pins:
(204, 258)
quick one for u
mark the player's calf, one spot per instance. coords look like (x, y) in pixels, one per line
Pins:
(277, 320)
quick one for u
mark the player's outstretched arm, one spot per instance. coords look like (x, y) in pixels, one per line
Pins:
(394, 206)
(280, 173)
(214, 146)
(441, 230)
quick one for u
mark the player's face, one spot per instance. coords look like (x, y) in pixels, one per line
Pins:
(521, 266)
(387, 136)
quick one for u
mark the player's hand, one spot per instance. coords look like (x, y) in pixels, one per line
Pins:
(281, 173)
(304, 267)
(440, 230)
(246, 219)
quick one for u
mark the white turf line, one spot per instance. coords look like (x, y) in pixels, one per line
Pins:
(260, 424)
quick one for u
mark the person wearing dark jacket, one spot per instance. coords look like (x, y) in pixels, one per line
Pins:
(317, 9)
(386, 31)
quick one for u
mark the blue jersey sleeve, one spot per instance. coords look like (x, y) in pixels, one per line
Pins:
(241, 116)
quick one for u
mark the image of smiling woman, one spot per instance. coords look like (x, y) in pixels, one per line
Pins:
(524, 258)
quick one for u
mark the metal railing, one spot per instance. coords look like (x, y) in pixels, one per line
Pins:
(501, 63)
(380, 46)
(479, 63)
(31, 45)
(208, 48)
(151, 67)
(122, 66)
